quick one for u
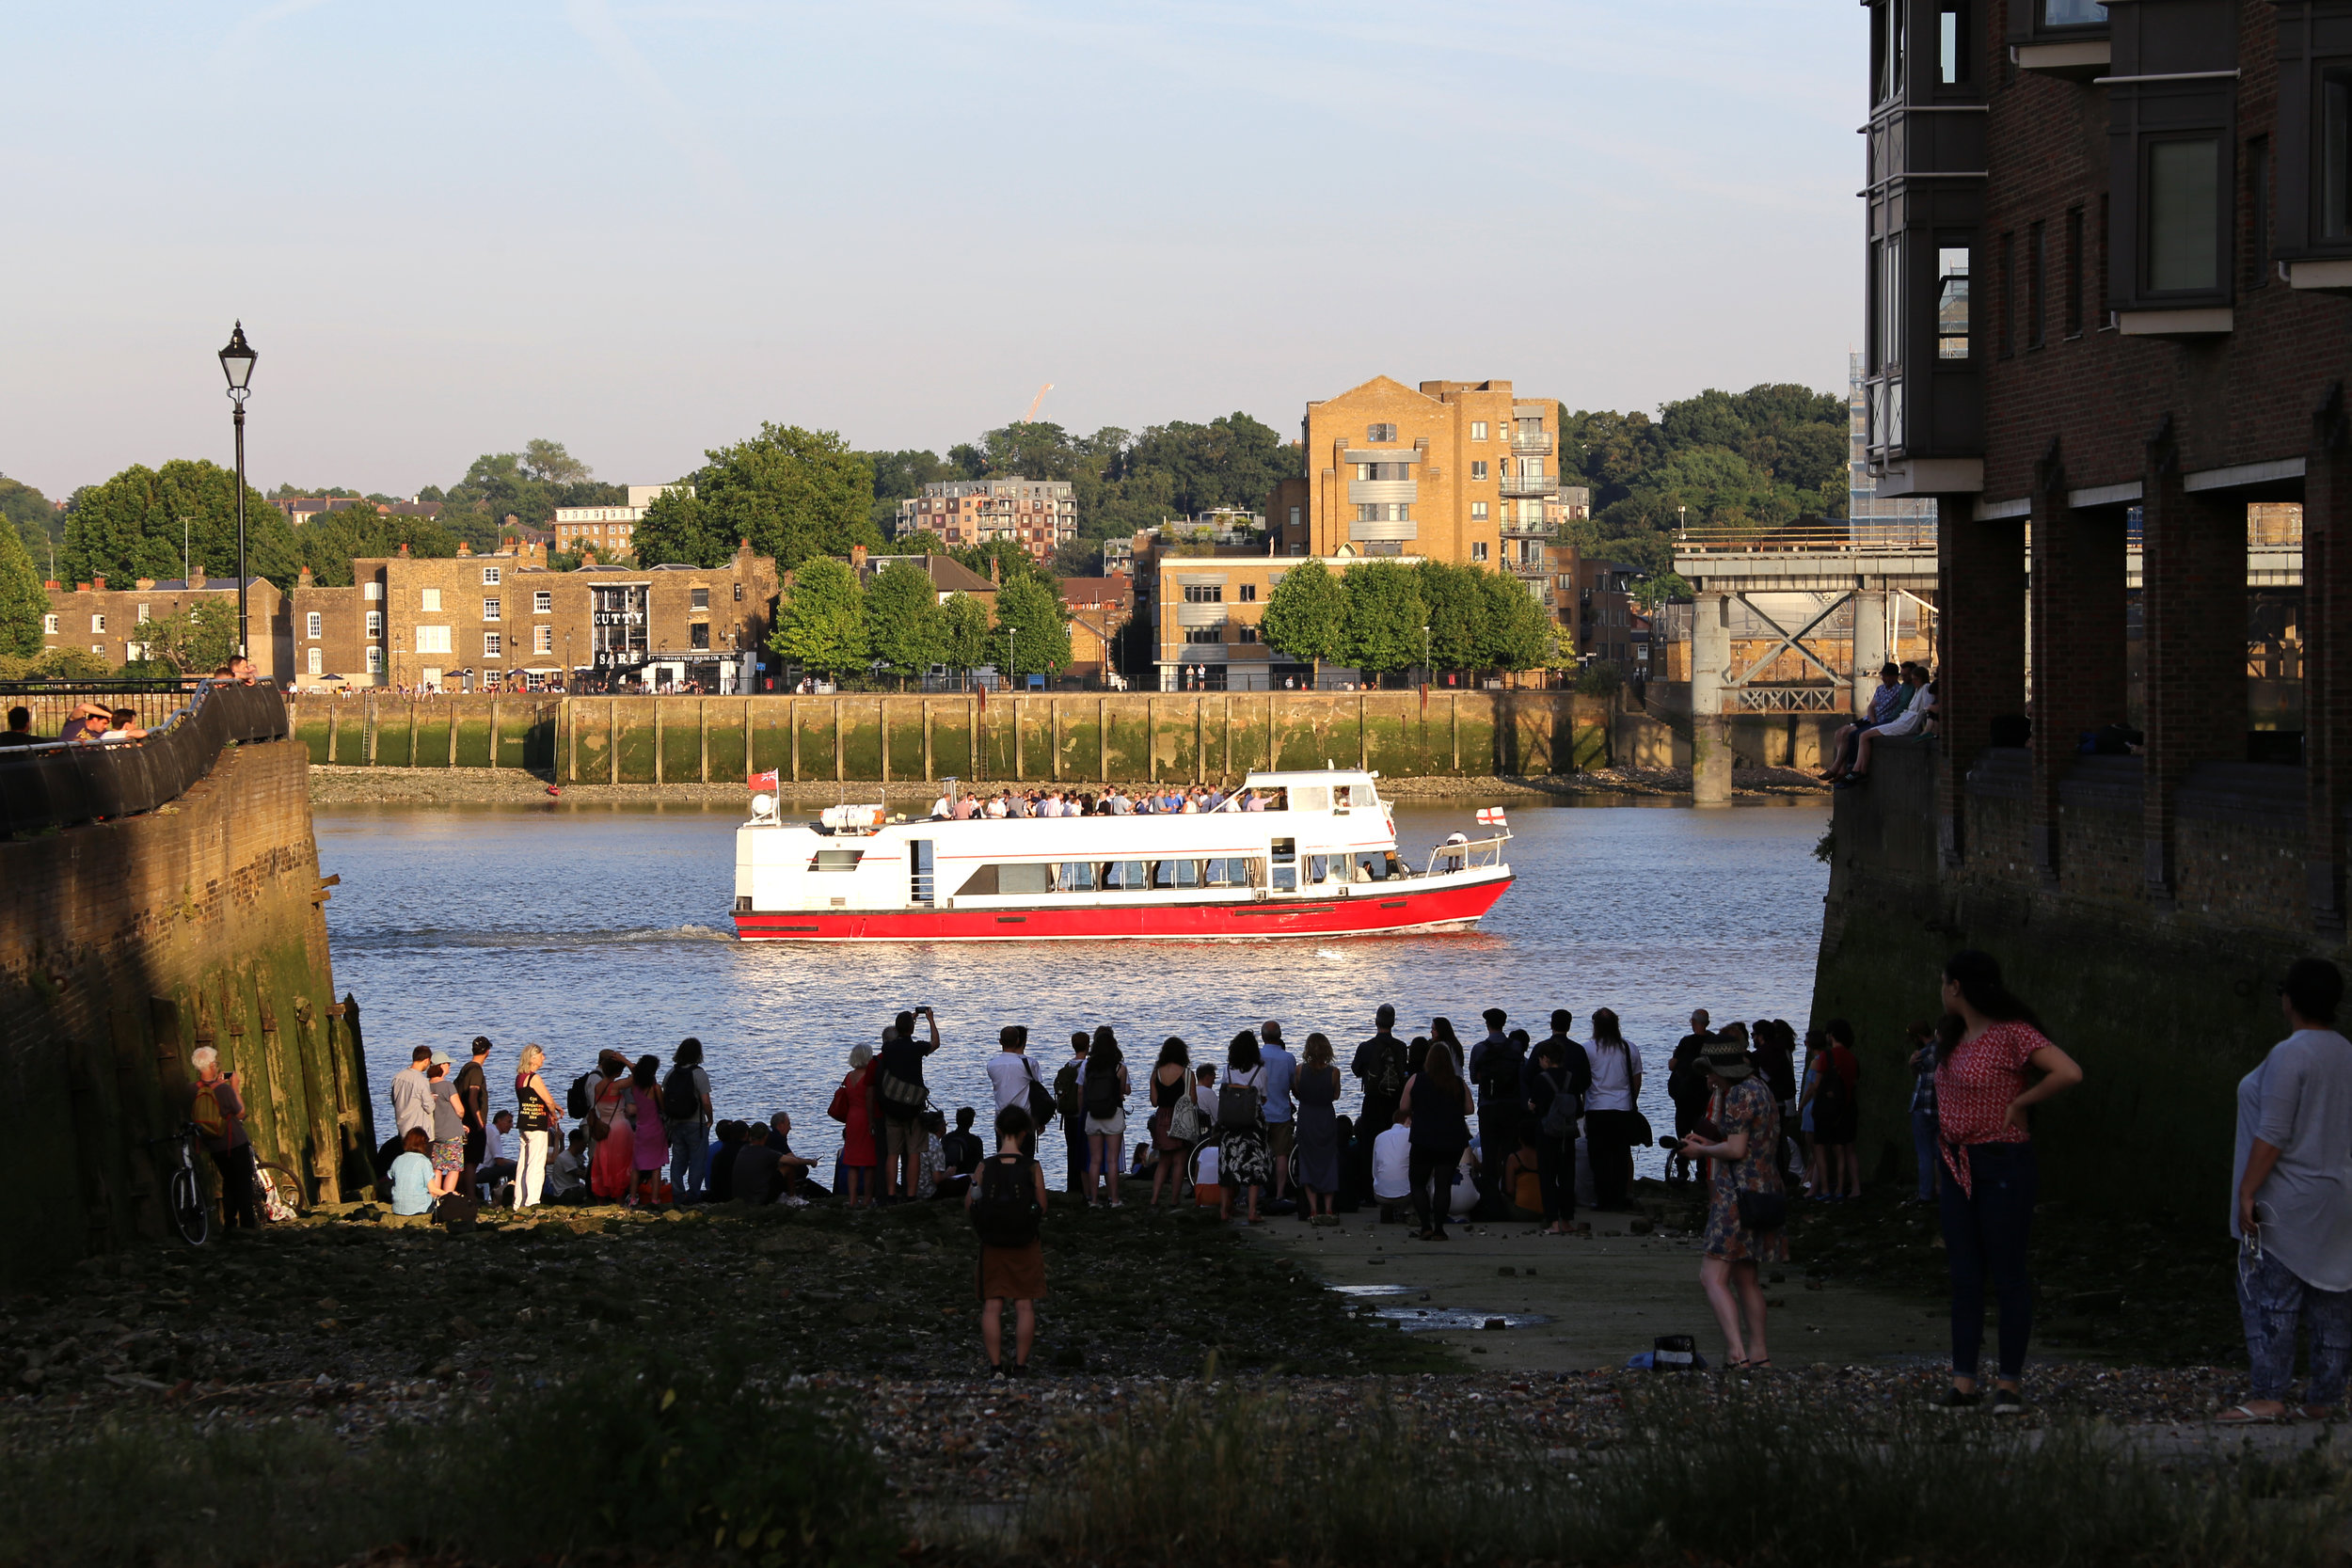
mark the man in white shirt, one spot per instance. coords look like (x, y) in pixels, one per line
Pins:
(1391, 1171)
(498, 1163)
(1010, 1072)
(941, 810)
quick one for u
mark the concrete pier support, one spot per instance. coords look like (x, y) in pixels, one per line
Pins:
(1710, 730)
(1869, 646)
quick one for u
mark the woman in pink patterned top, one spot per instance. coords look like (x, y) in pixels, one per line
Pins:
(1982, 1091)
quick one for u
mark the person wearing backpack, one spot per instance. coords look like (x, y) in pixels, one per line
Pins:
(1070, 1106)
(1837, 1112)
(1243, 1160)
(1557, 1079)
(1381, 1064)
(1007, 1206)
(1175, 1120)
(686, 1114)
(1102, 1090)
(1496, 1064)
(904, 1098)
(218, 1110)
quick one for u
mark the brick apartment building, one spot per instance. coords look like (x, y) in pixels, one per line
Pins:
(473, 621)
(949, 577)
(1038, 515)
(102, 620)
(2110, 251)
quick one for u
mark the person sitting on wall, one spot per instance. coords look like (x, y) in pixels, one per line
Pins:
(1917, 717)
(1848, 751)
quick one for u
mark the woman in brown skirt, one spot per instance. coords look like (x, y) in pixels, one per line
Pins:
(1007, 1204)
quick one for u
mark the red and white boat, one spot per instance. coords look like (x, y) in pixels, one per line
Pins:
(1318, 861)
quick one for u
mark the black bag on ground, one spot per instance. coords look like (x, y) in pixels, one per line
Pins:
(458, 1211)
(1006, 1213)
(679, 1101)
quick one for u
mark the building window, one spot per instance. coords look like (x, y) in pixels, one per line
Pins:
(98, 623)
(376, 661)
(2073, 13)
(313, 623)
(1478, 551)
(490, 609)
(1478, 468)
(1384, 511)
(1250, 593)
(492, 645)
(370, 590)
(2183, 230)
(1204, 593)
(1951, 302)
(543, 640)
(1381, 433)
(2074, 301)
(739, 592)
(2037, 245)
(1478, 430)
(489, 577)
(1887, 318)
(698, 599)
(1478, 512)
(542, 603)
(375, 623)
(1204, 634)
(698, 635)
(429, 599)
(49, 625)
(1886, 53)
(2335, 156)
(318, 661)
(432, 640)
(1952, 42)
(1295, 512)
(1245, 633)
(146, 612)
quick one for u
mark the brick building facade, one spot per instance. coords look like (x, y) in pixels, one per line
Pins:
(476, 621)
(1038, 515)
(1448, 470)
(96, 619)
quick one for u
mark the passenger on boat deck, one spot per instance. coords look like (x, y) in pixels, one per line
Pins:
(965, 808)
(941, 810)
(1116, 804)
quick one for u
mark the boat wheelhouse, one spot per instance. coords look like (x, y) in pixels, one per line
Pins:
(1317, 858)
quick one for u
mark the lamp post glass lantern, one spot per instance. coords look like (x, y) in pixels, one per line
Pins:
(1008, 631)
(236, 363)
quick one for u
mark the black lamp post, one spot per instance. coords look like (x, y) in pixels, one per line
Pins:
(1008, 631)
(236, 363)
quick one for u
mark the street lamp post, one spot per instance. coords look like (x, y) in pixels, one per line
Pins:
(1008, 631)
(236, 363)
(1428, 675)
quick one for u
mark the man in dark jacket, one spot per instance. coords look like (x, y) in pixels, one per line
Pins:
(1557, 1066)
(1687, 1087)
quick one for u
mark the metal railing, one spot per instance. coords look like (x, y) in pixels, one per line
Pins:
(1789, 699)
(1887, 536)
(60, 784)
(1525, 484)
(50, 700)
(1534, 446)
(1468, 854)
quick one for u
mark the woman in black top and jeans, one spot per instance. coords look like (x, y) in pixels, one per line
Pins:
(1439, 1103)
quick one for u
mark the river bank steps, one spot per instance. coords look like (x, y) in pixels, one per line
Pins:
(345, 1382)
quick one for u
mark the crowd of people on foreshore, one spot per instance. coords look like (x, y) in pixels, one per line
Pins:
(1504, 1127)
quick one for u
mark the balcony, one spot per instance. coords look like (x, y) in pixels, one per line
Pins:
(1514, 528)
(1524, 484)
(1532, 446)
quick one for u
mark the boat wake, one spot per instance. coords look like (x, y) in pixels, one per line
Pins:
(427, 939)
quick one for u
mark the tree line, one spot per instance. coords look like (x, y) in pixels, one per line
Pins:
(1383, 616)
(836, 624)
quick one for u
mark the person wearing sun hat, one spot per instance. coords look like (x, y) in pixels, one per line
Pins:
(1746, 1207)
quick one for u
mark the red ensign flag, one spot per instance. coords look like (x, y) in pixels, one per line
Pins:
(761, 781)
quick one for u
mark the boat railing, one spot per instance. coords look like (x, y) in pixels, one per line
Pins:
(1461, 854)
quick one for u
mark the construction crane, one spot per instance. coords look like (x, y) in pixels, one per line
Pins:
(1031, 415)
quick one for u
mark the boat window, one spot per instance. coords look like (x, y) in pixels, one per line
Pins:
(1310, 798)
(1370, 868)
(1126, 876)
(1176, 874)
(1286, 862)
(836, 860)
(1073, 876)
(1024, 879)
(1363, 795)
(981, 885)
(1318, 868)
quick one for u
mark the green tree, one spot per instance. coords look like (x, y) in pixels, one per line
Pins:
(903, 630)
(332, 543)
(921, 542)
(794, 494)
(40, 525)
(1032, 608)
(548, 462)
(963, 633)
(1452, 608)
(196, 641)
(21, 602)
(130, 527)
(1659, 587)
(1305, 615)
(822, 626)
(1513, 633)
(1385, 614)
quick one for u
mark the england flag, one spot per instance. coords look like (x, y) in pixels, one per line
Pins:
(1490, 817)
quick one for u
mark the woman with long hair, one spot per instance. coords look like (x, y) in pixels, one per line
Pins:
(1439, 1103)
(650, 1139)
(1316, 1090)
(1241, 1159)
(1741, 1142)
(1441, 1033)
(1612, 1111)
(1983, 1088)
(1171, 1082)
(1815, 1059)
(1836, 1115)
(1105, 1114)
(610, 1130)
(538, 1120)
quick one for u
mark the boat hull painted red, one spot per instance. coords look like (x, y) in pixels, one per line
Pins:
(1456, 906)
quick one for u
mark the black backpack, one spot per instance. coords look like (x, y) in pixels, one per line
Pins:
(1501, 1067)
(1832, 1098)
(581, 1099)
(1101, 1089)
(1388, 1072)
(1236, 1107)
(1007, 1212)
(458, 1211)
(679, 1100)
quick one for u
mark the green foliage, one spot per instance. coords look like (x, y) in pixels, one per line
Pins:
(1041, 642)
(794, 494)
(1305, 615)
(130, 527)
(196, 642)
(1599, 678)
(921, 542)
(1658, 588)
(903, 630)
(898, 476)
(1385, 614)
(1513, 632)
(963, 632)
(822, 624)
(21, 602)
(1752, 460)
(529, 484)
(30, 516)
(331, 544)
(1011, 560)
(1453, 610)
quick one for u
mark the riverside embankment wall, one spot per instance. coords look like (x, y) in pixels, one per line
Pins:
(126, 945)
(2166, 1007)
(875, 737)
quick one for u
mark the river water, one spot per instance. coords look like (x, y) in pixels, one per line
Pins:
(580, 926)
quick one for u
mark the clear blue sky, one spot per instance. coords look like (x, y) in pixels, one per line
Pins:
(641, 229)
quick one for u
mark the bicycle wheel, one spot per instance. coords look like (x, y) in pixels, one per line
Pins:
(286, 1185)
(190, 1214)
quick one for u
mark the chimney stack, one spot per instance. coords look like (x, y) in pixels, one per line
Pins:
(464, 548)
(100, 583)
(81, 588)
(403, 551)
(196, 577)
(303, 582)
(857, 557)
